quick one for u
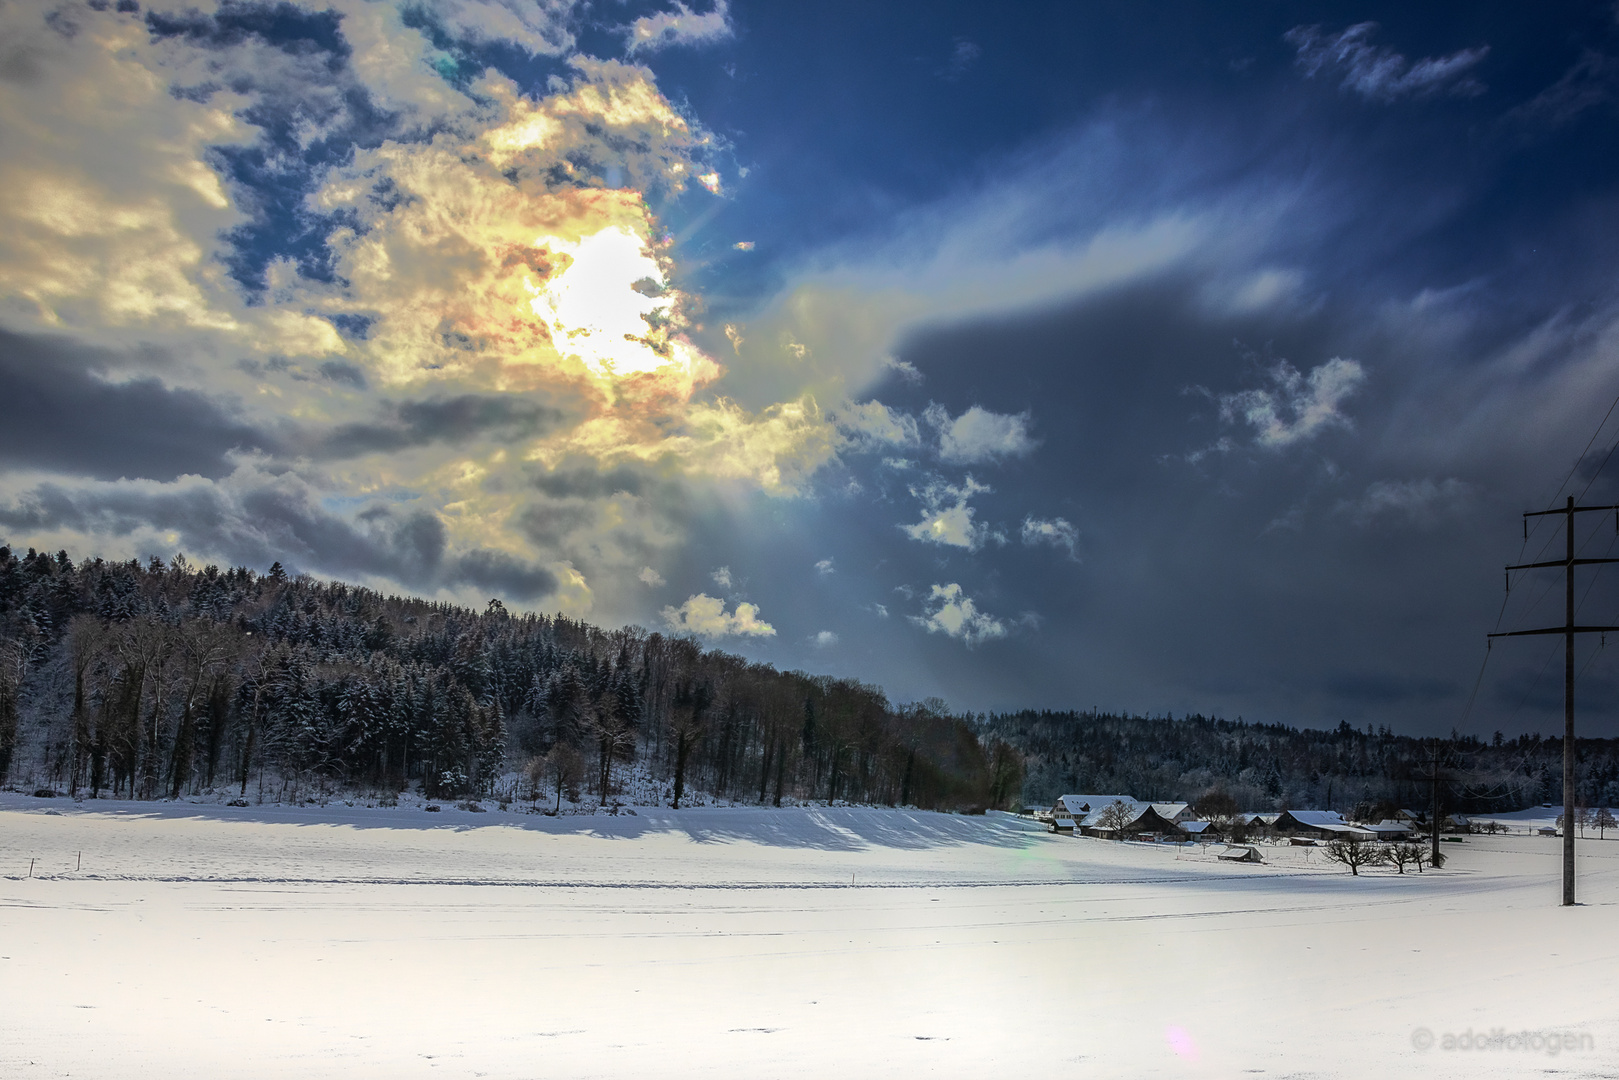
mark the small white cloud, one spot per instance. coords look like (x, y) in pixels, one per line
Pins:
(903, 368)
(722, 577)
(871, 423)
(1377, 72)
(733, 334)
(1295, 407)
(951, 612)
(1057, 532)
(898, 464)
(711, 181)
(651, 577)
(824, 640)
(743, 245)
(880, 610)
(796, 350)
(681, 26)
(979, 435)
(1420, 503)
(706, 616)
(824, 567)
(946, 517)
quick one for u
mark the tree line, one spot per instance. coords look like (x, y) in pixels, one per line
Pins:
(157, 680)
(1363, 773)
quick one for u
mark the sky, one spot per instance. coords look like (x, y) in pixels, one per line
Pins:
(1184, 358)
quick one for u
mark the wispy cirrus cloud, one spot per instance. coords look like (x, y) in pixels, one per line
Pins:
(1419, 503)
(1295, 407)
(1057, 532)
(1377, 72)
(681, 26)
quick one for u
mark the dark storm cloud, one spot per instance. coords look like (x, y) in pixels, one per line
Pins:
(1348, 572)
(1383, 690)
(452, 420)
(256, 520)
(59, 412)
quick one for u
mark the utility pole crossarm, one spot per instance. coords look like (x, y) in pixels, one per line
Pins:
(1558, 630)
(1560, 562)
(1568, 509)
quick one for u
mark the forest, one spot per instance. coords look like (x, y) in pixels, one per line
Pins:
(1362, 773)
(162, 680)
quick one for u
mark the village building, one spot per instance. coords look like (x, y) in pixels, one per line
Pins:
(1176, 812)
(1318, 825)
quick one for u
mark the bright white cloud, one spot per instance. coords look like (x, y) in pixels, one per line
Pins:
(951, 612)
(1295, 407)
(946, 517)
(651, 577)
(706, 616)
(1377, 72)
(1057, 532)
(979, 435)
(824, 567)
(871, 423)
(825, 639)
(682, 26)
(495, 242)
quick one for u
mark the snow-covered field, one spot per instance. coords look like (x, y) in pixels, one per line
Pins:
(216, 942)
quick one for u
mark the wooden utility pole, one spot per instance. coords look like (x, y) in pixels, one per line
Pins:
(1433, 812)
(1433, 779)
(1568, 630)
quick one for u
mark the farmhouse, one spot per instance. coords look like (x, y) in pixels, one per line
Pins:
(1090, 816)
(1073, 808)
(1318, 825)
(1198, 830)
(1176, 812)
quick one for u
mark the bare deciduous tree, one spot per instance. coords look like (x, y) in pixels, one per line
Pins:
(1355, 854)
(1114, 817)
(1407, 853)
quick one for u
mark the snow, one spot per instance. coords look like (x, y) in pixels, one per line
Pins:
(211, 941)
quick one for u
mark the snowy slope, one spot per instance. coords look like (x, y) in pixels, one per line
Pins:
(219, 942)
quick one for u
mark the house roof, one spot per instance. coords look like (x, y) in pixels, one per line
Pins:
(1169, 811)
(1387, 828)
(1240, 854)
(1193, 827)
(1327, 821)
(1319, 819)
(1083, 804)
